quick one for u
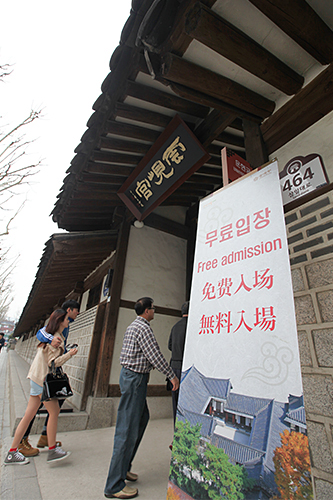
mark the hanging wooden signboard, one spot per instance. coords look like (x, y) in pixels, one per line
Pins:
(174, 157)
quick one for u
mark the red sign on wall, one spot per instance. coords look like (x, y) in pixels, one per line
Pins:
(233, 166)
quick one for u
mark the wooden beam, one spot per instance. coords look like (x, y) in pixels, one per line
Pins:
(233, 140)
(191, 186)
(185, 192)
(199, 178)
(255, 149)
(105, 168)
(155, 96)
(178, 201)
(166, 225)
(165, 311)
(92, 356)
(106, 179)
(132, 131)
(311, 104)
(80, 204)
(142, 115)
(108, 157)
(178, 41)
(212, 102)
(212, 126)
(82, 225)
(213, 161)
(108, 337)
(298, 19)
(94, 194)
(237, 124)
(219, 35)
(122, 145)
(207, 82)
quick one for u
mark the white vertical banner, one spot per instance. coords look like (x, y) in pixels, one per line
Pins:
(241, 429)
(242, 319)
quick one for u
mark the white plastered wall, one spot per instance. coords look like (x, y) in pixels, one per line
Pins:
(316, 139)
(155, 267)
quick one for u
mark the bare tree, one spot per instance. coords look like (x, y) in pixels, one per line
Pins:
(15, 173)
(5, 71)
(6, 267)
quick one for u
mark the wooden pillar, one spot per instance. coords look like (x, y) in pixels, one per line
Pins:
(255, 148)
(93, 355)
(191, 223)
(108, 334)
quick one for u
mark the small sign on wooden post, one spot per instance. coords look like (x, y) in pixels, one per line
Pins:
(233, 166)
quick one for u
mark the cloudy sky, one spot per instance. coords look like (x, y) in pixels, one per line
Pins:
(60, 56)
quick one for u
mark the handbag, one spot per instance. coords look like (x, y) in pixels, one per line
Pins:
(56, 384)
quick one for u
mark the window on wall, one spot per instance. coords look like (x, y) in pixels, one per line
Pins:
(94, 296)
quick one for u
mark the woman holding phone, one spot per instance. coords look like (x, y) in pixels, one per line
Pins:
(46, 353)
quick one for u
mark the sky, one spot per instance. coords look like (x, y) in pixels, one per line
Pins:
(60, 55)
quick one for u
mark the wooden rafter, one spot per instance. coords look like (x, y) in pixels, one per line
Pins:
(111, 143)
(307, 107)
(132, 131)
(207, 82)
(298, 19)
(105, 168)
(155, 96)
(128, 112)
(215, 123)
(216, 33)
(212, 102)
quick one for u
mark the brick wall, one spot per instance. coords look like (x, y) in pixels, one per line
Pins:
(310, 238)
(80, 332)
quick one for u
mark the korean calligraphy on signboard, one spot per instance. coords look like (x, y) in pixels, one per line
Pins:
(241, 396)
(175, 156)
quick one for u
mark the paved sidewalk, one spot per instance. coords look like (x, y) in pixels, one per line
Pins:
(82, 476)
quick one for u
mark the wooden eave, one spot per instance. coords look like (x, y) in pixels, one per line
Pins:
(67, 260)
(228, 79)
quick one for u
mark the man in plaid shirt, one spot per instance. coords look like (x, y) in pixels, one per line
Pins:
(140, 354)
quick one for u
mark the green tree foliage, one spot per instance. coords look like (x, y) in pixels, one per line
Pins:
(203, 470)
(185, 457)
(221, 479)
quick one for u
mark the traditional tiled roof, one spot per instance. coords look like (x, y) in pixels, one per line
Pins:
(237, 452)
(218, 388)
(270, 419)
(277, 426)
(195, 390)
(296, 412)
(245, 404)
(206, 421)
(260, 427)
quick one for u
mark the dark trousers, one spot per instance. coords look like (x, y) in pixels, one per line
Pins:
(175, 395)
(132, 420)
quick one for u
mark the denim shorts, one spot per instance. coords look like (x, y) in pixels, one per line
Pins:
(35, 389)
